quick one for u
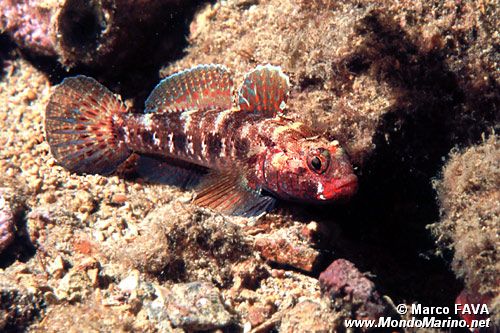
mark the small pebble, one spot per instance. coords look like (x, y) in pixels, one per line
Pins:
(93, 275)
(56, 269)
(130, 283)
(119, 199)
(49, 198)
(84, 202)
(30, 96)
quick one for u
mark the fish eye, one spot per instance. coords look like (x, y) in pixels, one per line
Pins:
(319, 160)
(316, 163)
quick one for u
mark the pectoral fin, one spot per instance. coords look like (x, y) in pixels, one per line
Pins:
(229, 194)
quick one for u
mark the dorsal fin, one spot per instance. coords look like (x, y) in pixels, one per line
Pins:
(200, 88)
(264, 90)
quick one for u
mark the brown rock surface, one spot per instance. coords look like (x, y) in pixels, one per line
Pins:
(469, 192)
(181, 243)
(348, 289)
(282, 251)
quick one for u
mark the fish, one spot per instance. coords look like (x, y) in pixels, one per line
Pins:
(239, 150)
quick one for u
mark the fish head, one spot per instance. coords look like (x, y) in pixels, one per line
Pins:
(312, 170)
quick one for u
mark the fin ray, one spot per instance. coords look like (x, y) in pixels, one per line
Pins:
(202, 87)
(264, 90)
(81, 126)
(227, 193)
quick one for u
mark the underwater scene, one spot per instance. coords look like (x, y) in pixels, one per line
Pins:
(249, 166)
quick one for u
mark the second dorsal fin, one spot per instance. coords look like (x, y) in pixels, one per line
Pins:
(202, 87)
(264, 91)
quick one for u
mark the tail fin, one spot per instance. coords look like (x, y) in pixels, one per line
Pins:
(83, 122)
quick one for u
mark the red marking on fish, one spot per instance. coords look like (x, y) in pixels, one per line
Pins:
(247, 151)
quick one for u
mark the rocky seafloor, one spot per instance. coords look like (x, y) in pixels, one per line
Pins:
(410, 88)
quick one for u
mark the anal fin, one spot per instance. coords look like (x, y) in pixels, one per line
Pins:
(228, 194)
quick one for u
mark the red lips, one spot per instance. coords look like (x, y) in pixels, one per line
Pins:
(343, 188)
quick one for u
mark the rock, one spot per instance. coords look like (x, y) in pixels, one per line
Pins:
(19, 306)
(118, 199)
(84, 202)
(257, 314)
(56, 268)
(74, 286)
(6, 224)
(249, 273)
(91, 316)
(349, 289)
(309, 316)
(130, 283)
(192, 306)
(470, 213)
(284, 252)
(184, 243)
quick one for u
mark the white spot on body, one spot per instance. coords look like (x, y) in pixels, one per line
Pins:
(220, 119)
(203, 148)
(147, 121)
(126, 136)
(339, 152)
(320, 191)
(156, 140)
(222, 147)
(186, 117)
(170, 142)
(245, 130)
(190, 145)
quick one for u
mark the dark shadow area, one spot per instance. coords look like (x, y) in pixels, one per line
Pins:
(83, 22)
(384, 229)
(7, 52)
(21, 249)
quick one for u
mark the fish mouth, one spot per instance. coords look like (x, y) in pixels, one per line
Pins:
(342, 188)
(347, 182)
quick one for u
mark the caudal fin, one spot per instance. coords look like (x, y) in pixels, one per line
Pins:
(83, 126)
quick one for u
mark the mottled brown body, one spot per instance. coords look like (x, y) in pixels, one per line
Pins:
(214, 139)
